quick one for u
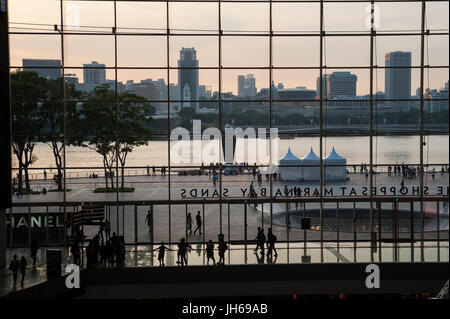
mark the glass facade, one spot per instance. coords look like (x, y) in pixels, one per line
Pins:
(355, 91)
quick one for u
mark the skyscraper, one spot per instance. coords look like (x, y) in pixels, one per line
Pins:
(241, 81)
(247, 85)
(341, 84)
(397, 81)
(49, 69)
(188, 78)
(94, 73)
(324, 85)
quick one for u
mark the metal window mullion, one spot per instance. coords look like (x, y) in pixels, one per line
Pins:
(223, 147)
(321, 67)
(168, 116)
(372, 32)
(116, 117)
(422, 62)
(63, 88)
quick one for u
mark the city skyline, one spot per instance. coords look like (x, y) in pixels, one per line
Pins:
(98, 71)
(150, 51)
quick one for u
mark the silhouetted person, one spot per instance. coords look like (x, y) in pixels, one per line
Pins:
(161, 253)
(34, 250)
(149, 220)
(23, 268)
(189, 223)
(14, 266)
(198, 219)
(222, 249)
(45, 175)
(107, 229)
(210, 252)
(115, 248)
(182, 250)
(75, 251)
(258, 241)
(271, 240)
(262, 240)
(101, 230)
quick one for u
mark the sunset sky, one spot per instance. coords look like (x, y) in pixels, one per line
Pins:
(150, 51)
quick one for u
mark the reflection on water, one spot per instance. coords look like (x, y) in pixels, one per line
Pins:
(387, 150)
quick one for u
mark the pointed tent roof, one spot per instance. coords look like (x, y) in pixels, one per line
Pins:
(289, 157)
(334, 156)
(311, 156)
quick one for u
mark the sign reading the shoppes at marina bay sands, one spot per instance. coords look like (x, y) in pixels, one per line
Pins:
(314, 191)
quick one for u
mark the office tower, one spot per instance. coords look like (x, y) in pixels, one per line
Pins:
(188, 78)
(247, 86)
(241, 85)
(398, 80)
(324, 86)
(341, 84)
(49, 69)
(94, 73)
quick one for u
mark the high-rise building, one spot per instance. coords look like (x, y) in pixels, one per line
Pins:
(241, 85)
(94, 73)
(188, 78)
(341, 84)
(398, 78)
(247, 86)
(49, 69)
(324, 86)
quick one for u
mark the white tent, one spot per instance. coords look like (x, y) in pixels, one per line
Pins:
(311, 173)
(335, 173)
(290, 173)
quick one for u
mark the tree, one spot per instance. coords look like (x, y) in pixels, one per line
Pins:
(53, 112)
(28, 91)
(114, 138)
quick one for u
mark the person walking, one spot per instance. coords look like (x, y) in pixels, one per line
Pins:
(258, 241)
(161, 253)
(262, 241)
(271, 240)
(222, 245)
(75, 251)
(34, 250)
(14, 266)
(149, 220)
(182, 250)
(107, 229)
(198, 219)
(189, 223)
(45, 175)
(23, 268)
(259, 177)
(210, 252)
